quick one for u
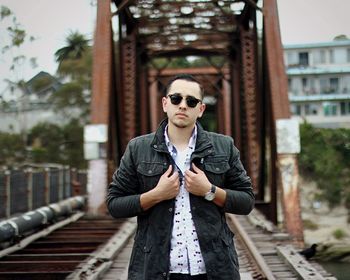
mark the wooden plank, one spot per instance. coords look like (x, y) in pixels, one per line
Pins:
(301, 266)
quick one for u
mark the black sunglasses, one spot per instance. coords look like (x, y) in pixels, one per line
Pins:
(190, 100)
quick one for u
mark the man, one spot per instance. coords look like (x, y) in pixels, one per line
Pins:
(179, 182)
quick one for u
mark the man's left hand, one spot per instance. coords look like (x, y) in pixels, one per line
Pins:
(196, 181)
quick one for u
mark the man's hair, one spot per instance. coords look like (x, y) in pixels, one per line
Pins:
(186, 77)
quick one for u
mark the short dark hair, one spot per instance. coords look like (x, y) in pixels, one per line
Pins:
(186, 77)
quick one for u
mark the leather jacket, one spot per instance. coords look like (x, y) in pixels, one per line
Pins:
(145, 160)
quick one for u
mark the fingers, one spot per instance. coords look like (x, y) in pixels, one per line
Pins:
(168, 171)
(195, 168)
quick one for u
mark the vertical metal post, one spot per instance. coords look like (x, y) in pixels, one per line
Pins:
(252, 153)
(101, 95)
(60, 183)
(280, 110)
(153, 99)
(47, 186)
(29, 177)
(226, 98)
(8, 192)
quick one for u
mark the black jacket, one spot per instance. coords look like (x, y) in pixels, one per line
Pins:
(145, 160)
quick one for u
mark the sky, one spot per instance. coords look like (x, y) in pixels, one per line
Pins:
(50, 21)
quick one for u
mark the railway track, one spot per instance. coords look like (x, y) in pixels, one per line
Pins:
(58, 254)
(100, 247)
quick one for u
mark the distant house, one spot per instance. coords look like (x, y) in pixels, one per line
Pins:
(25, 104)
(319, 82)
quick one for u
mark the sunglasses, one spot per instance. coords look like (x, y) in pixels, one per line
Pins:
(190, 100)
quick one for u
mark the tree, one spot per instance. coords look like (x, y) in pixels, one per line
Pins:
(75, 63)
(16, 37)
(325, 158)
(77, 46)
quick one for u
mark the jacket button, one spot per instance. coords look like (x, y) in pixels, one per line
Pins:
(155, 146)
(164, 274)
(217, 168)
(149, 171)
(170, 209)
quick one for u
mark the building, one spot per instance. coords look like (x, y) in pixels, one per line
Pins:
(23, 105)
(319, 82)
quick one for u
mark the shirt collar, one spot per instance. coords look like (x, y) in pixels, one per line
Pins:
(191, 142)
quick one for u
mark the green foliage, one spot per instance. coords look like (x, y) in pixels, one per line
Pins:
(75, 63)
(339, 233)
(58, 144)
(325, 158)
(15, 37)
(12, 148)
(308, 224)
(41, 83)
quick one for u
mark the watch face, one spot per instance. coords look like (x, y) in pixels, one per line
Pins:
(210, 196)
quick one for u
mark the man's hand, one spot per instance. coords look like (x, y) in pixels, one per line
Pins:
(197, 182)
(168, 186)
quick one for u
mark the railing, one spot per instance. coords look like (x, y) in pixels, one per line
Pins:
(31, 188)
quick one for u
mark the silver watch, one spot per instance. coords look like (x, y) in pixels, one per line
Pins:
(211, 194)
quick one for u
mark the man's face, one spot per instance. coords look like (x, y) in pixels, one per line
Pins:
(181, 115)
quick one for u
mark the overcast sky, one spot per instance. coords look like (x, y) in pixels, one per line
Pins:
(50, 21)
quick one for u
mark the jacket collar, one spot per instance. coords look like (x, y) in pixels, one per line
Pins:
(203, 143)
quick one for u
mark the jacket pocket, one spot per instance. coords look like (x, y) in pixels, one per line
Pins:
(215, 168)
(149, 174)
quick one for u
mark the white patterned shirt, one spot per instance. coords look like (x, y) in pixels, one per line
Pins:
(185, 253)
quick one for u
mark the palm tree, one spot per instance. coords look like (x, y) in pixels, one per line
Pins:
(76, 46)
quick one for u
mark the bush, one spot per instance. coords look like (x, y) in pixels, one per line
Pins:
(325, 159)
(339, 234)
(308, 224)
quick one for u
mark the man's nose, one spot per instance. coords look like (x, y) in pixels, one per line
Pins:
(183, 103)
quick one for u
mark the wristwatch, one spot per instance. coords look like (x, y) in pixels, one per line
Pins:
(211, 194)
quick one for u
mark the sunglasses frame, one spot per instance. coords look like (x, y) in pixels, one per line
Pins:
(189, 99)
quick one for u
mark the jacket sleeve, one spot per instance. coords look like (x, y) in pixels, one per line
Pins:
(123, 198)
(238, 186)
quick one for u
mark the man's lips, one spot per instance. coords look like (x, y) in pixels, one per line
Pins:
(181, 115)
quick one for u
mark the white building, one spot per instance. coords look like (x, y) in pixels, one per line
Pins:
(319, 82)
(25, 105)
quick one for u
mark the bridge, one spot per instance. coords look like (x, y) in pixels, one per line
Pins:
(64, 232)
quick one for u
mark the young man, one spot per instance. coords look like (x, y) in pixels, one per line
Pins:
(179, 182)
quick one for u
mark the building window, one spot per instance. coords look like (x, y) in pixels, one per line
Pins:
(296, 109)
(311, 109)
(344, 108)
(348, 55)
(331, 56)
(323, 85)
(322, 56)
(330, 109)
(334, 85)
(304, 58)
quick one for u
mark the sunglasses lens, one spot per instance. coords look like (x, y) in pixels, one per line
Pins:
(191, 101)
(175, 99)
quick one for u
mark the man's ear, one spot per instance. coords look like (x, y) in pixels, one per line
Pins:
(201, 110)
(164, 103)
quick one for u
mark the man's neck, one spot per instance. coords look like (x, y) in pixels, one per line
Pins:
(179, 137)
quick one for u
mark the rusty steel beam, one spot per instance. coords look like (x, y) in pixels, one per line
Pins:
(102, 65)
(250, 87)
(280, 110)
(129, 89)
(226, 98)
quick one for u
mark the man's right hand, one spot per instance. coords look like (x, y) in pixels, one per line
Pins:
(167, 188)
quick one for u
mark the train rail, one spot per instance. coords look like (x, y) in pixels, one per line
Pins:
(99, 248)
(58, 254)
